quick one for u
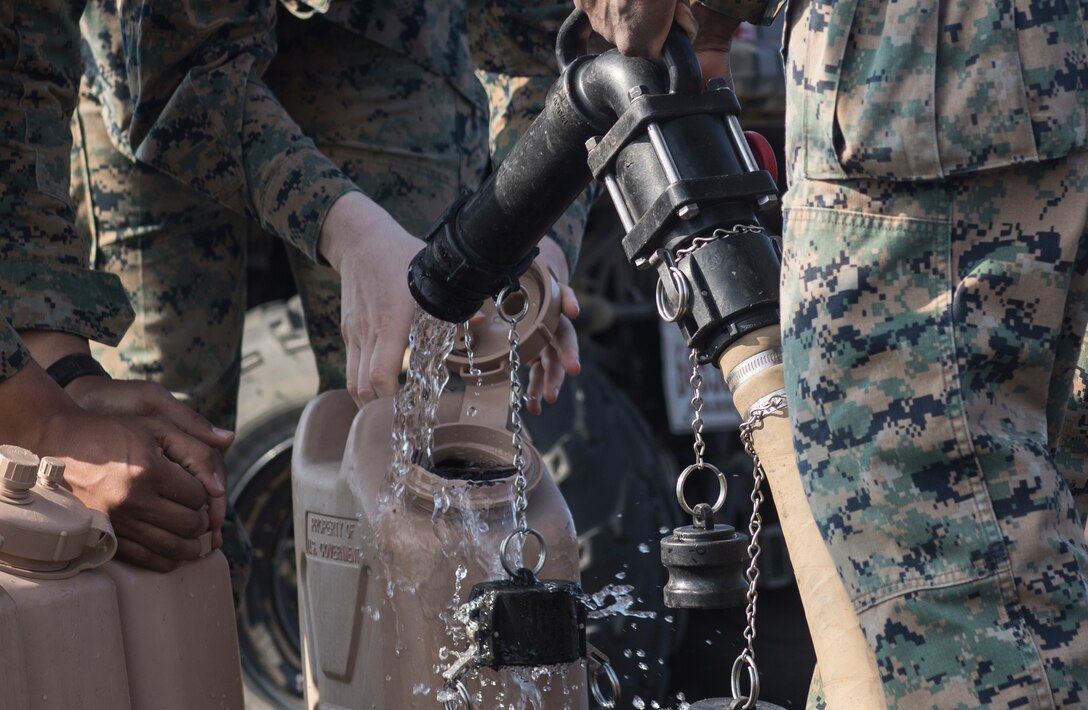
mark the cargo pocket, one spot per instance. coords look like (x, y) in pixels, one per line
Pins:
(875, 399)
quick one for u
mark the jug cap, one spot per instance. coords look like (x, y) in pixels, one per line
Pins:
(490, 344)
(48, 532)
(18, 472)
(51, 471)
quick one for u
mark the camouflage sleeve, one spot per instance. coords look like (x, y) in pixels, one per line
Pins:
(45, 281)
(13, 354)
(758, 12)
(513, 48)
(182, 92)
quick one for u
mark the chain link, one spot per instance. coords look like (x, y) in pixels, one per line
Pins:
(700, 242)
(473, 371)
(521, 484)
(755, 526)
(696, 382)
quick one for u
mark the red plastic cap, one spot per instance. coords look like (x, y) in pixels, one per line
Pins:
(763, 152)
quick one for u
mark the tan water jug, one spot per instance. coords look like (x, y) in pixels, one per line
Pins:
(381, 576)
(78, 630)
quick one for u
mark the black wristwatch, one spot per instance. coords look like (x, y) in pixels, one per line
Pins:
(74, 366)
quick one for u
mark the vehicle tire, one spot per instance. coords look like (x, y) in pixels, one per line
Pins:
(278, 378)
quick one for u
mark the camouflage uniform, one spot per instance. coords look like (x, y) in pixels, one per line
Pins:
(934, 300)
(385, 89)
(44, 281)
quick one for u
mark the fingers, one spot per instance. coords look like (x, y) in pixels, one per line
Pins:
(686, 19)
(351, 373)
(535, 389)
(175, 483)
(566, 347)
(363, 391)
(200, 464)
(136, 554)
(196, 426)
(549, 372)
(161, 544)
(387, 357)
(553, 374)
(170, 517)
(385, 366)
(568, 302)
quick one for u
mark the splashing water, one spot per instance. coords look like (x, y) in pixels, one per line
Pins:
(615, 600)
(415, 407)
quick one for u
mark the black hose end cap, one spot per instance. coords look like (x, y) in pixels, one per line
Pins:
(434, 295)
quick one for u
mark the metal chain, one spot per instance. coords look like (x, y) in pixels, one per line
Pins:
(473, 371)
(700, 242)
(755, 526)
(696, 382)
(521, 484)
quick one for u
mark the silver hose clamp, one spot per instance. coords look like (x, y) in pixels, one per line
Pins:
(749, 368)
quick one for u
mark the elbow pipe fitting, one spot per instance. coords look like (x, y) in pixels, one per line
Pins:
(486, 240)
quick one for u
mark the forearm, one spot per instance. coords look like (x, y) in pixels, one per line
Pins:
(46, 347)
(32, 401)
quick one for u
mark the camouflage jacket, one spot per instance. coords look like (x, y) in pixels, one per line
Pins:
(179, 86)
(44, 278)
(922, 90)
(180, 90)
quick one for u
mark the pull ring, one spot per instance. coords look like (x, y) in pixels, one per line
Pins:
(722, 486)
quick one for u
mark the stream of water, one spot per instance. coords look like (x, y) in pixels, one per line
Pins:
(415, 407)
(464, 532)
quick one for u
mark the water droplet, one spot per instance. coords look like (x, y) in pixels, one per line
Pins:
(471, 411)
(643, 548)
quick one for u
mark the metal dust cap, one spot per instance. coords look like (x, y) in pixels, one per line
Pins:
(490, 346)
(18, 472)
(705, 563)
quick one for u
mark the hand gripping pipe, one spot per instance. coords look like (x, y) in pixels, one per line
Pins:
(689, 194)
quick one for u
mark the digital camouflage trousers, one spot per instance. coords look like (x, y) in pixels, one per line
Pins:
(931, 335)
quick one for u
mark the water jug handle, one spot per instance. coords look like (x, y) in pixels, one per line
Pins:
(100, 548)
